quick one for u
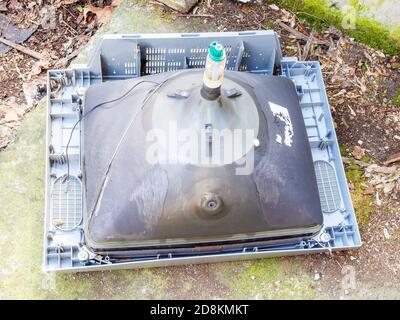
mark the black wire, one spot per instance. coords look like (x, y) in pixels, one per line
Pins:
(96, 107)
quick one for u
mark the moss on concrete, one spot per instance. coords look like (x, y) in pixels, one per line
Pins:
(275, 278)
(21, 210)
(363, 204)
(368, 31)
(364, 207)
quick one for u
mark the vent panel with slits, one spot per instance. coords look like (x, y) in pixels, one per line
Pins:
(327, 186)
(67, 203)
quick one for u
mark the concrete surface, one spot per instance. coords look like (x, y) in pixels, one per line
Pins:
(21, 224)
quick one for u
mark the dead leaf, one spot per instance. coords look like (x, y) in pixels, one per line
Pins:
(15, 5)
(384, 170)
(341, 92)
(102, 14)
(358, 152)
(361, 85)
(58, 222)
(389, 187)
(395, 65)
(369, 190)
(38, 67)
(245, 9)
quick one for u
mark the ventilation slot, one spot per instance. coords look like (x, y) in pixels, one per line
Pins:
(67, 203)
(327, 186)
(155, 60)
(197, 58)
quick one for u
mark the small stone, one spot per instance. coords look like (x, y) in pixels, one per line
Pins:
(317, 276)
(346, 292)
(352, 258)
(274, 7)
(360, 142)
(380, 54)
(386, 234)
(378, 200)
(181, 5)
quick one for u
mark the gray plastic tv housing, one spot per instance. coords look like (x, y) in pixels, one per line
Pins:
(126, 56)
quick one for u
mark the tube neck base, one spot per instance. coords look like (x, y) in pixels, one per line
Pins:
(210, 93)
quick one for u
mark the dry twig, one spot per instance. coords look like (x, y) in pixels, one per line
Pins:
(308, 47)
(300, 35)
(23, 49)
(392, 159)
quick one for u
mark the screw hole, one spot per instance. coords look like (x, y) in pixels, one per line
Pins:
(212, 204)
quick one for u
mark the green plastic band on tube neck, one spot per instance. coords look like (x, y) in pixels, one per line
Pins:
(216, 51)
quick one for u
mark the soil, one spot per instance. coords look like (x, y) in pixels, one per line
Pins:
(361, 84)
(22, 77)
(68, 36)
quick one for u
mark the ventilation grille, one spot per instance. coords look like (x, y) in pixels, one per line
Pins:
(130, 67)
(67, 203)
(327, 186)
